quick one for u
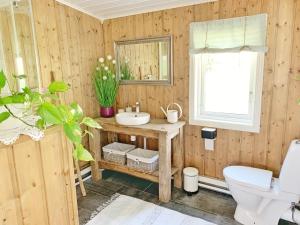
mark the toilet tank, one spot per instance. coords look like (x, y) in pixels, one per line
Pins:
(289, 178)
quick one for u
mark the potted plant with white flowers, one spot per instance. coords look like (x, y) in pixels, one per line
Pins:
(106, 85)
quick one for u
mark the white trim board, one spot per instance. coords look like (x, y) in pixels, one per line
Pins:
(213, 184)
(71, 5)
(83, 173)
(149, 6)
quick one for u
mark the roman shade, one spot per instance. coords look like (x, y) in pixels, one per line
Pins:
(229, 35)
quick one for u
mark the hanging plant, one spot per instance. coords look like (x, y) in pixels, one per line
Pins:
(69, 117)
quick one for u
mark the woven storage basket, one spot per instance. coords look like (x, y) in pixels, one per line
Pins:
(116, 152)
(143, 160)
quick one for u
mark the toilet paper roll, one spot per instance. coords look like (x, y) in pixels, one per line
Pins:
(209, 144)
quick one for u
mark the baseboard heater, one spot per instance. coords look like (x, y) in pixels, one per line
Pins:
(204, 182)
(85, 174)
(213, 184)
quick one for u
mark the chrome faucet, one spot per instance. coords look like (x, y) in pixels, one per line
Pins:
(137, 107)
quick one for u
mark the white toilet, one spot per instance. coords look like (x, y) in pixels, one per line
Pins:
(261, 199)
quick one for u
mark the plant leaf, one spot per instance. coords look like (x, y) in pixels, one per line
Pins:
(65, 111)
(80, 153)
(5, 100)
(50, 113)
(41, 124)
(35, 97)
(2, 79)
(73, 132)
(90, 123)
(75, 155)
(58, 86)
(89, 133)
(76, 111)
(4, 116)
(51, 96)
(17, 98)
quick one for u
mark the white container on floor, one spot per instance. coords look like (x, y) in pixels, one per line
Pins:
(190, 180)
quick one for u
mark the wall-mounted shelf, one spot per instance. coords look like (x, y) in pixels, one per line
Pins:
(170, 141)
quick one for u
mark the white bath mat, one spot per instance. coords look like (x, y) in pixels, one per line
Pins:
(125, 210)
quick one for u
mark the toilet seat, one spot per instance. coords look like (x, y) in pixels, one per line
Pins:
(258, 179)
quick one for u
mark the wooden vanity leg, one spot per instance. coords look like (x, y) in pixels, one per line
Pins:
(164, 168)
(178, 158)
(95, 146)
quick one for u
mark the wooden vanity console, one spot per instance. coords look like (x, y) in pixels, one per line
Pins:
(171, 152)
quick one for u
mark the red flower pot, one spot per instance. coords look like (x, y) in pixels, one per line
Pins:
(107, 112)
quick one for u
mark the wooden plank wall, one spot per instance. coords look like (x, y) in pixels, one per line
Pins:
(39, 181)
(69, 44)
(280, 113)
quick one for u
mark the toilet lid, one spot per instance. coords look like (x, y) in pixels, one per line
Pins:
(249, 176)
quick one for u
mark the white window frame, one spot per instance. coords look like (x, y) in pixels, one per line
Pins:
(224, 120)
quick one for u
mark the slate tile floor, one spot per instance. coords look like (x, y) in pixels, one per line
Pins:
(209, 205)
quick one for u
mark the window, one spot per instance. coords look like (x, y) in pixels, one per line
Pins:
(226, 82)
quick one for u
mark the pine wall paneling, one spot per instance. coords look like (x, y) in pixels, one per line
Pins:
(39, 181)
(280, 113)
(69, 44)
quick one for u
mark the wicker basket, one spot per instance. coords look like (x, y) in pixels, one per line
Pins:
(143, 160)
(116, 152)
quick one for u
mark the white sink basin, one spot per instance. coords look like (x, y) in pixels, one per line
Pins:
(132, 118)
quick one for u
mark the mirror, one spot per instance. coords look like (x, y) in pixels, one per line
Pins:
(18, 53)
(145, 61)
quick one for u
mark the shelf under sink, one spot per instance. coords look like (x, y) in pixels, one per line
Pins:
(130, 171)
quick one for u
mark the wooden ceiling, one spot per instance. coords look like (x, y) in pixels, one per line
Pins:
(108, 9)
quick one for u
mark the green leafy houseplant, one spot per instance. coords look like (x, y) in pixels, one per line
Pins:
(45, 105)
(105, 81)
(106, 85)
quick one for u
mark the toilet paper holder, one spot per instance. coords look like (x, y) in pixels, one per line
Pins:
(209, 135)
